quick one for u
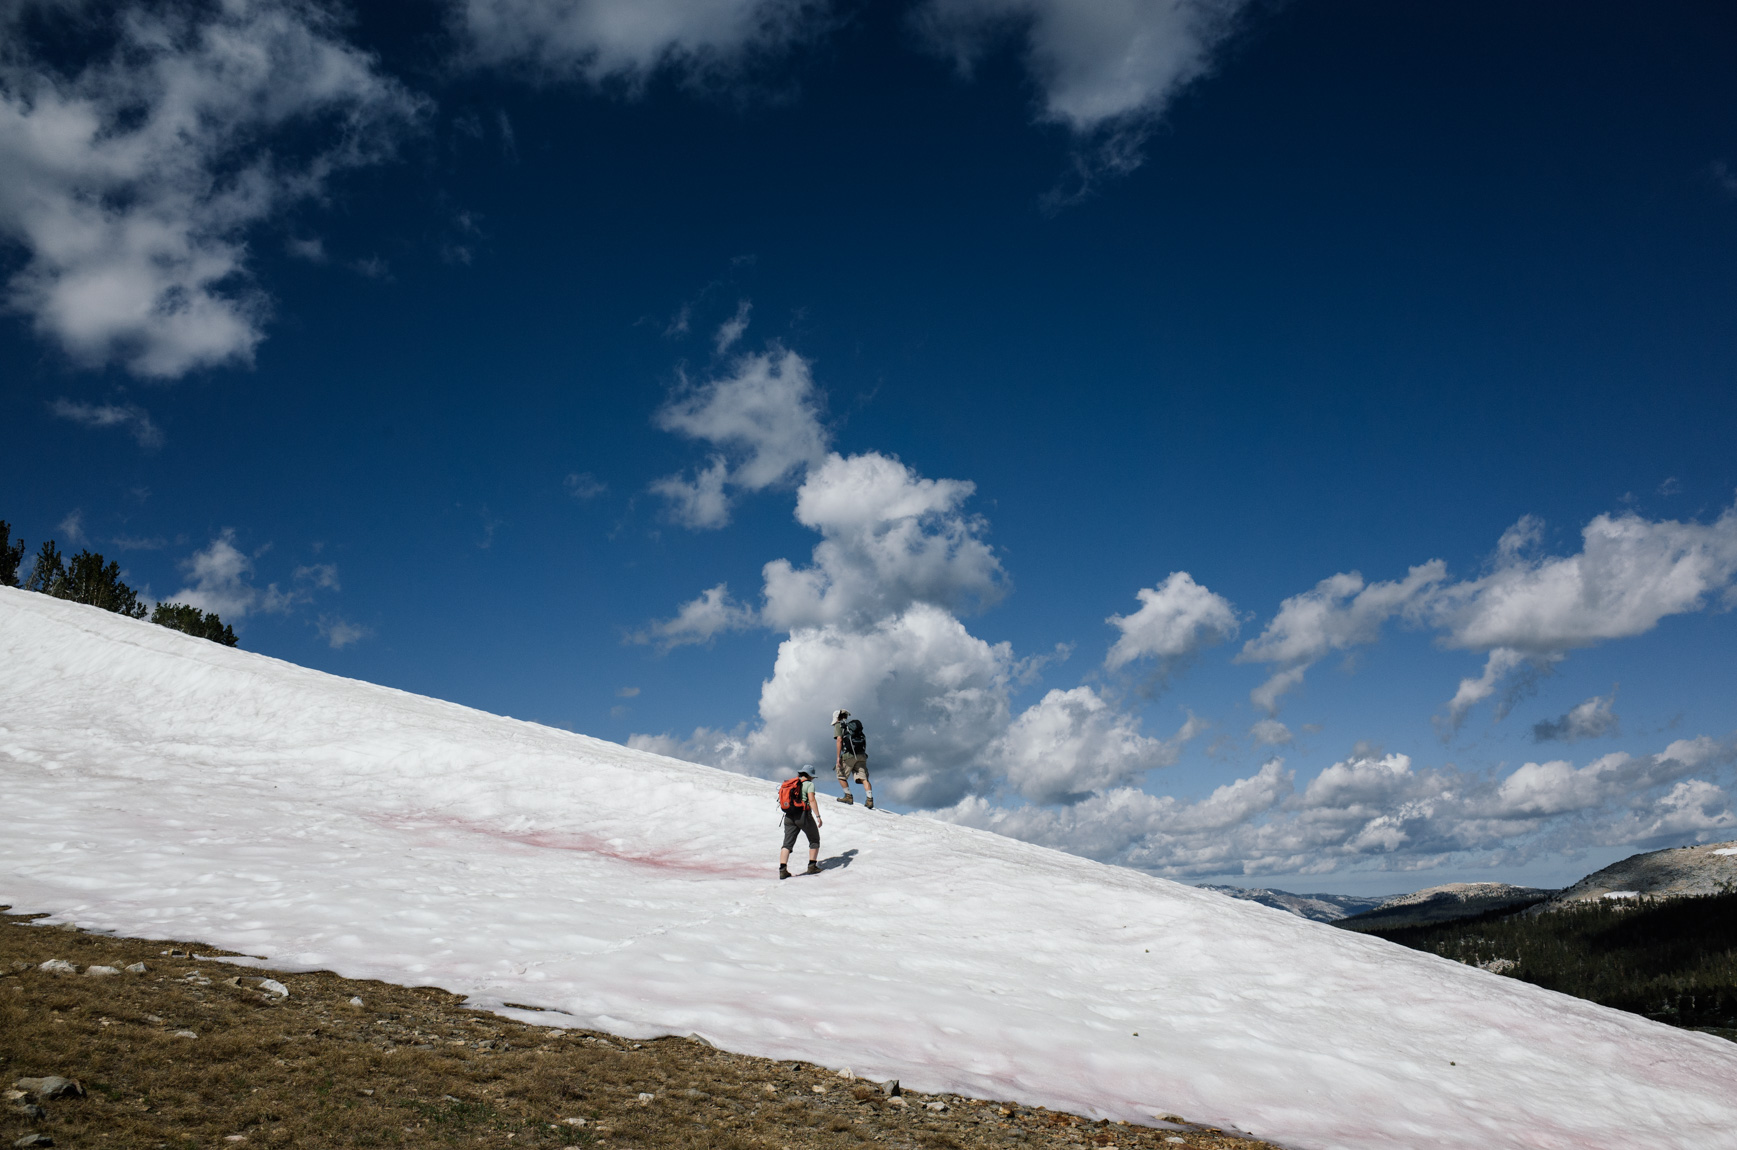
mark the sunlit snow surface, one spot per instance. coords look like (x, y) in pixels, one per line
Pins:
(161, 785)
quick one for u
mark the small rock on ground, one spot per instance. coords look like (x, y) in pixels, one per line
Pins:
(51, 1087)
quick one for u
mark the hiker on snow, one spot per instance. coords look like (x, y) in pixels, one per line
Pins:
(796, 799)
(852, 760)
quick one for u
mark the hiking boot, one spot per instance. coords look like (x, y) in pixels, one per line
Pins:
(783, 871)
(847, 798)
(813, 868)
(871, 803)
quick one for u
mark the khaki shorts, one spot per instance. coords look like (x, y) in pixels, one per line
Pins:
(852, 768)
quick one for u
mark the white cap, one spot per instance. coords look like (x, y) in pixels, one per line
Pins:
(839, 714)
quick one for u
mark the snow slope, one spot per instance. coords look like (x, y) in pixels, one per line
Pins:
(157, 784)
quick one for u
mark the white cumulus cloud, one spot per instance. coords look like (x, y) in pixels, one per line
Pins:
(1381, 811)
(889, 539)
(1339, 613)
(872, 621)
(1094, 63)
(1176, 620)
(1629, 574)
(931, 695)
(1105, 70)
(699, 620)
(1525, 614)
(763, 419)
(132, 179)
(1558, 787)
(1071, 743)
(220, 579)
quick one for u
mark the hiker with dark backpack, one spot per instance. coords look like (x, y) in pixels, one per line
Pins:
(796, 800)
(852, 762)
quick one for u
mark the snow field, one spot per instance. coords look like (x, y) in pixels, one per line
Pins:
(165, 786)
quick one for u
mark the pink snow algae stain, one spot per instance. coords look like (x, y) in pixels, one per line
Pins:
(565, 841)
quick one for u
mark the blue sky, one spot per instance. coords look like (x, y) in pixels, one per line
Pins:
(493, 350)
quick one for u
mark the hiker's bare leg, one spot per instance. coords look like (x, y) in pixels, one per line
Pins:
(784, 857)
(813, 853)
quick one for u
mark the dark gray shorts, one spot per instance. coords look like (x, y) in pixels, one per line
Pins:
(803, 826)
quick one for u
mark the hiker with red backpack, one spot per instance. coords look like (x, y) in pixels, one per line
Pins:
(852, 761)
(796, 800)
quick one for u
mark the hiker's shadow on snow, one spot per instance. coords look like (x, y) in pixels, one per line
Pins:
(837, 862)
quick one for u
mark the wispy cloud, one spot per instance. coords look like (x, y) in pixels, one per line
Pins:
(625, 42)
(583, 486)
(340, 634)
(731, 329)
(1725, 176)
(321, 575)
(139, 542)
(133, 418)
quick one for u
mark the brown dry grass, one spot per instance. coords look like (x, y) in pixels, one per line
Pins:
(411, 1067)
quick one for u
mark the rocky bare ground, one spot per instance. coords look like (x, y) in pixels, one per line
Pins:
(1710, 868)
(164, 1048)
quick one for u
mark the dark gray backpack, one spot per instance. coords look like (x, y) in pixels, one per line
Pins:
(855, 742)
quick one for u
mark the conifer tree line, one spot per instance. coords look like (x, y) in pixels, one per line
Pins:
(89, 578)
(1673, 960)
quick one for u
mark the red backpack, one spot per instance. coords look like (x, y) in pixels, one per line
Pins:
(790, 797)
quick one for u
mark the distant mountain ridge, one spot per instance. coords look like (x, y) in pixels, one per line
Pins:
(1677, 872)
(1443, 904)
(1316, 907)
